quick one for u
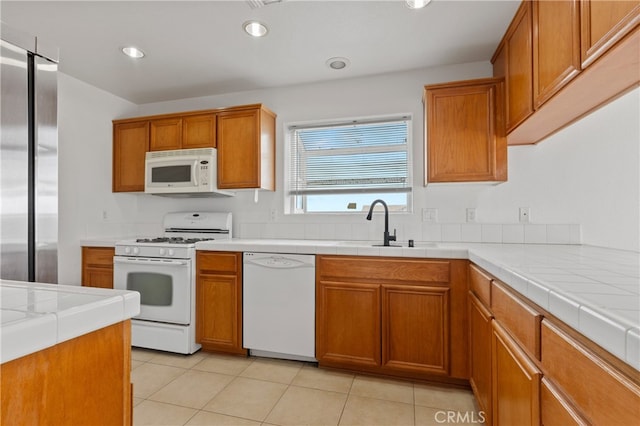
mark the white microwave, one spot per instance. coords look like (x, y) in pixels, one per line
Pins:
(182, 172)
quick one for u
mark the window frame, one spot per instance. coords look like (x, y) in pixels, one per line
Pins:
(291, 199)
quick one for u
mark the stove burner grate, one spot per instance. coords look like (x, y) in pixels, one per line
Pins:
(172, 240)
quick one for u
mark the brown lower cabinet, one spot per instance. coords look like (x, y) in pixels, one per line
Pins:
(82, 381)
(394, 316)
(219, 301)
(97, 266)
(542, 371)
(480, 332)
(515, 382)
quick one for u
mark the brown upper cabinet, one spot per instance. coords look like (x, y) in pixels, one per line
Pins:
(183, 132)
(199, 131)
(556, 47)
(130, 144)
(166, 134)
(246, 153)
(465, 131)
(561, 60)
(514, 64)
(604, 23)
(246, 148)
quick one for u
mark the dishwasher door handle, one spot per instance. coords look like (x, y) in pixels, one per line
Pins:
(277, 262)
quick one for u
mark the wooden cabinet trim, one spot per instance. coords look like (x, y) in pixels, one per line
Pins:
(616, 401)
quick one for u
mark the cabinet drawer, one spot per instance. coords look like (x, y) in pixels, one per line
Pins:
(228, 262)
(522, 322)
(385, 269)
(480, 284)
(98, 256)
(603, 395)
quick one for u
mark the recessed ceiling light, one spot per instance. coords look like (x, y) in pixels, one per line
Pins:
(417, 4)
(337, 63)
(255, 28)
(133, 52)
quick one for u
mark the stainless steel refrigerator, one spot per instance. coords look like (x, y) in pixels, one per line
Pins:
(28, 158)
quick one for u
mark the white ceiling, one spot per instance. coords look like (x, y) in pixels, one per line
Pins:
(198, 48)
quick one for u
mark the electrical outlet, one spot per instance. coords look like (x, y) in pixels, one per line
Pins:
(105, 216)
(471, 214)
(273, 215)
(429, 215)
(525, 214)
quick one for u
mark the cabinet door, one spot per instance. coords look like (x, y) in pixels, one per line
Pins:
(555, 409)
(166, 134)
(130, 144)
(519, 67)
(604, 23)
(415, 328)
(480, 354)
(348, 324)
(556, 46)
(515, 383)
(238, 141)
(218, 313)
(199, 131)
(465, 141)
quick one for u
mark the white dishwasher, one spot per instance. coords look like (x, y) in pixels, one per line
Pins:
(278, 305)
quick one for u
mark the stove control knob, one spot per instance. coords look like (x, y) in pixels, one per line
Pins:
(136, 250)
(171, 252)
(162, 252)
(127, 250)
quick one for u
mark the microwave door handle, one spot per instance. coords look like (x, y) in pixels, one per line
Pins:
(194, 172)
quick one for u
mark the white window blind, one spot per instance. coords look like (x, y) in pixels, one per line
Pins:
(358, 157)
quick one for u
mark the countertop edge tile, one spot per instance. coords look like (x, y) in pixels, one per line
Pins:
(40, 330)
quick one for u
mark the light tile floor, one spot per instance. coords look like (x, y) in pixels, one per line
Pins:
(211, 389)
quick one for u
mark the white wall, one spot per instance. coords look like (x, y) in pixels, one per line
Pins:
(587, 174)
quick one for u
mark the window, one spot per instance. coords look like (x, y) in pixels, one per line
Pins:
(344, 167)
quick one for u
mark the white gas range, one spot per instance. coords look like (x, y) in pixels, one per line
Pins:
(162, 270)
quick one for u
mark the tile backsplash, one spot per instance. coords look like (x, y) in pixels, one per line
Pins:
(427, 232)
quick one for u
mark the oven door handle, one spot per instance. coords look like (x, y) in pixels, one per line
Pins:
(144, 261)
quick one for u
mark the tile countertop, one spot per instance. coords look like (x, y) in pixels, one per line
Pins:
(595, 290)
(36, 316)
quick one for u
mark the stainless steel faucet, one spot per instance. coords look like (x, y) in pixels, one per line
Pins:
(387, 237)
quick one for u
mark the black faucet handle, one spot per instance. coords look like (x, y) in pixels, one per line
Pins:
(393, 237)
